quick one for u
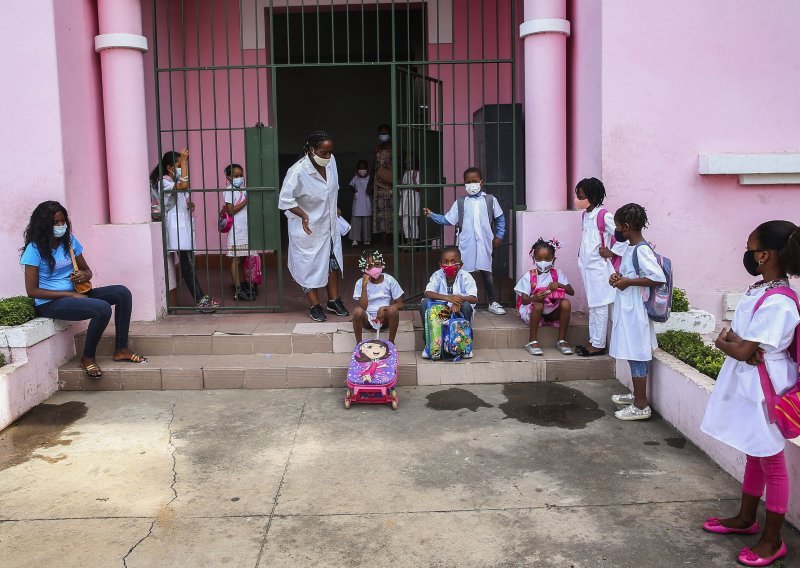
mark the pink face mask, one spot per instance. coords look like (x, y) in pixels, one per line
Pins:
(375, 271)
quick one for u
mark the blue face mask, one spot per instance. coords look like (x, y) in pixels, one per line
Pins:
(59, 230)
(177, 172)
(237, 182)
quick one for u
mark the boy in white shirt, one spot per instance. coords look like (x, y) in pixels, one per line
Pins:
(473, 215)
(381, 305)
(453, 285)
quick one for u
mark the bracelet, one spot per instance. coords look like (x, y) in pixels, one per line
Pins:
(184, 179)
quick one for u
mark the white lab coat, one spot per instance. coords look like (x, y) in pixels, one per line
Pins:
(177, 219)
(633, 336)
(736, 413)
(596, 270)
(475, 238)
(309, 255)
(463, 284)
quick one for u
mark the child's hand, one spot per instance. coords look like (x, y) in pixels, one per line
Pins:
(621, 283)
(553, 286)
(613, 278)
(541, 296)
(756, 358)
(426, 211)
(605, 252)
(722, 337)
(496, 242)
(456, 301)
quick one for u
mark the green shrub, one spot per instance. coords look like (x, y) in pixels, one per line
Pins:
(680, 303)
(2, 360)
(689, 348)
(16, 310)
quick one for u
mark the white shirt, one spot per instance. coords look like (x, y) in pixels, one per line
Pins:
(542, 280)
(238, 234)
(463, 284)
(362, 204)
(378, 295)
(633, 336)
(596, 270)
(309, 255)
(178, 219)
(736, 413)
(475, 237)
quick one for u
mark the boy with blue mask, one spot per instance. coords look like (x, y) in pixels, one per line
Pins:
(473, 215)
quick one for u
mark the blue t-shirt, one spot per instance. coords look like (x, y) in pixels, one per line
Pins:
(58, 278)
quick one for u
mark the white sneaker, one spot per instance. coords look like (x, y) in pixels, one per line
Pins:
(622, 399)
(425, 354)
(467, 355)
(497, 309)
(632, 413)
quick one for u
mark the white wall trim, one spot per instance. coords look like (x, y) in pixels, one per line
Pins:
(543, 26)
(128, 41)
(753, 169)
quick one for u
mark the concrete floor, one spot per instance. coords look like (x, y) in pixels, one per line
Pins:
(495, 475)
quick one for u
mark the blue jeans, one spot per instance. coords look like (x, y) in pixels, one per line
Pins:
(96, 307)
(425, 303)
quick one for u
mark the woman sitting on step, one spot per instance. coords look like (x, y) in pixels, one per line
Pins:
(55, 271)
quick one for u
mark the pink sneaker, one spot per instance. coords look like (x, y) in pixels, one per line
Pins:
(750, 558)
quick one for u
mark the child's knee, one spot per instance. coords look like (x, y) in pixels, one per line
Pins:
(538, 308)
(358, 314)
(392, 312)
(566, 306)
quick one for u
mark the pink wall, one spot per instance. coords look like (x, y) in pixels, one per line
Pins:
(680, 78)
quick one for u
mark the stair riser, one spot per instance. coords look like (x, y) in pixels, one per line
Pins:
(313, 343)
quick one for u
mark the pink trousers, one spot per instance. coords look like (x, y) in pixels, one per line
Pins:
(770, 472)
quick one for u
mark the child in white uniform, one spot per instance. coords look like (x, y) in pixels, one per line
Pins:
(381, 304)
(736, 413)
(236, 203)
(361, 218)
(409, 204)
(598, 252)
(475, 237)
(633, 337)
(541, 297)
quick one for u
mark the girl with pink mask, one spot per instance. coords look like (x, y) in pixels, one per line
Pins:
(379, 297)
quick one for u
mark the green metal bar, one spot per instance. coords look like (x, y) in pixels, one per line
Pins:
(311, 64)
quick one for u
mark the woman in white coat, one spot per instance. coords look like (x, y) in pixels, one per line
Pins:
(309, 194)
(177, 219)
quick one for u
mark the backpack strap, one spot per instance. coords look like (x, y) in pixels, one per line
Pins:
(534, 280)
(766, 383)
(460, 205)
(635, 256)
(601, 226)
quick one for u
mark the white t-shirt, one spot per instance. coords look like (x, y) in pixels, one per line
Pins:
(542, 280)
(463, 285)
(378, 295)
(238, 234)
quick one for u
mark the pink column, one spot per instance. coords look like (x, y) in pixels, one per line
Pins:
(545, 34)
(121, 45)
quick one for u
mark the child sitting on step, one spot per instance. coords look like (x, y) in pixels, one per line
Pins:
(380, 305)
(540, 297)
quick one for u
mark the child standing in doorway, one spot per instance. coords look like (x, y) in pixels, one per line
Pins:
(759, 360)
(473, 216)
(541, 296)
(409, 201)
(598, 259)
(361, 218)
(379, 297)
(633, 337)
(238, 247)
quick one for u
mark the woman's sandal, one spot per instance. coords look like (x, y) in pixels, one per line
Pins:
(132, 358)
(92, 371)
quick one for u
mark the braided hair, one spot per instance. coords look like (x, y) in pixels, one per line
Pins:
(550, 244)
(315, 139)
(632, 214)
(784, 237)
(377, 258)
(593, 189)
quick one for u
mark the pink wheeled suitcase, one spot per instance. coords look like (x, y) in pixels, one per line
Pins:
(372, 375)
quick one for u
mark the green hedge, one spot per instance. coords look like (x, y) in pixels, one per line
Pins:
(16, 310)
(689, 348)
(680, 303)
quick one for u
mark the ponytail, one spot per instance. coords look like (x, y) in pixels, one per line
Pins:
(790, 255)
(168, 159)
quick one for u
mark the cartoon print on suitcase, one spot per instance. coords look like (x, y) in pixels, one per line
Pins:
(372, 374)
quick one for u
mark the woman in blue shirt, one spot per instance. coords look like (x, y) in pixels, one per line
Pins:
(50, 280)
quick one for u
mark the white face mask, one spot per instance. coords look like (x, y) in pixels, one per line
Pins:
(321, 161)
(363, 173)
(384, 138)
(544, 265)
(59, 230)
(237, 182)
(473, 188)
(177, 172)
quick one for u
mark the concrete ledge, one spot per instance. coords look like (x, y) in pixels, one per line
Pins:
(31, 333)
(680, 394)
(753, 169)
(696, 321)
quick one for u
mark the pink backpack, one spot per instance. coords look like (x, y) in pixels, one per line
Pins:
(783, 410)
(252, 269)
(616, 262)
(553, 298)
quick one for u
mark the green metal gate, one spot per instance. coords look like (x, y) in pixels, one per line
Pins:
(451, 102)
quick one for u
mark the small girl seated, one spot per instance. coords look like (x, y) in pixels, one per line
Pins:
(540, 297)
(379, 297)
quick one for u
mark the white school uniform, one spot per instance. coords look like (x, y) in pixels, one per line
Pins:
(238, 235)
(475, 237)
(736, 413)
(177, 217)
(633, 336)
(309, 255)
(378, 295)
(596, 270)
(542, 281)
(362, 203)
(463, 284)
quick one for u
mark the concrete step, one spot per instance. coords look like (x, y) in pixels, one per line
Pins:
(163, 338)
(264, 371)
